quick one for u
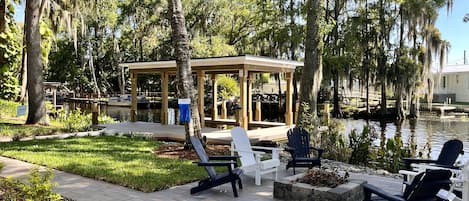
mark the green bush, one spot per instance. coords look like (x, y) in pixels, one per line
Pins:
(37, 188)
(74, 120)
(104, 119)
(361, 145)
(1, 166)
(334, 141)
(8, 108)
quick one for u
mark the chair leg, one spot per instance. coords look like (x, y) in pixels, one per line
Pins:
(233, 185)
(294, 173)
(258, 178)
(240, 183)
(276, 174)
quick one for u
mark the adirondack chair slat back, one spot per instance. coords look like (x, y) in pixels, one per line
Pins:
(243, 146)
(450, 152)
(199, 149)
(298, 138)
(427, 184)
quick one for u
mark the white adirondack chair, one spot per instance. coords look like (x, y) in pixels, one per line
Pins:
(251, 160)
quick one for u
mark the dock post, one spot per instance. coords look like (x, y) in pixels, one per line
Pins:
(214, 97)
(94, 113)
(258, 116)
(164, 98)
(200, 91)
(289, 99)
(243, 117)
(133, 108)
(223, 110)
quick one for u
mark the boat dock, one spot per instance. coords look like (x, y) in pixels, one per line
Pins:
(177, 133)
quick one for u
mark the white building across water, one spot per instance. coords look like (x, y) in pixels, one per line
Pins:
(453, 84)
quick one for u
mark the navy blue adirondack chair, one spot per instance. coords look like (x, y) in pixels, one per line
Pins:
(448, 155)
(300, 149)
(424, 187)
(215, 179)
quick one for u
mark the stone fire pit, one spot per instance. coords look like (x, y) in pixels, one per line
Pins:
(289, 189)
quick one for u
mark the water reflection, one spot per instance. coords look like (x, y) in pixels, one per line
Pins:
(425, 137)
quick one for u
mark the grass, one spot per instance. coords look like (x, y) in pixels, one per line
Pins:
(16, 126)
(121, 160)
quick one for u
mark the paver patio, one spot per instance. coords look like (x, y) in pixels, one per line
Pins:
(82, 189)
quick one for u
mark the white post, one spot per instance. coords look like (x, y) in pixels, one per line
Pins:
(465, 188)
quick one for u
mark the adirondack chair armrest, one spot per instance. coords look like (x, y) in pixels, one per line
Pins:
(267, 148)
(417, 160)
(319, 150)
(253, 152)
(370, 189)
(226, 158)
(275, 151)
(228, 164)
(435, 166)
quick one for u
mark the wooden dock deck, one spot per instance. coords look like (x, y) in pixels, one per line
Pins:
(176, 132)
(232, 122)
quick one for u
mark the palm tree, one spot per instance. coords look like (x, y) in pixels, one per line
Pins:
(184, 73)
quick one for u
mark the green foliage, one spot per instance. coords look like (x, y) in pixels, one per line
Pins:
(37, 188)
(125, 161)
(390, 156)
(228, 86)
(74, 120)
(262, 79)
(104, 119)
(310, 123)
(334, 141)
(8, 108)
(10, 53)
(215, 46)
(362, 145)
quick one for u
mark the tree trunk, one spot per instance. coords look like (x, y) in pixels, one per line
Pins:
(3, 13)
(337, 112)
(312, 71)
(185, 83)
(382, 60)
(36, 107)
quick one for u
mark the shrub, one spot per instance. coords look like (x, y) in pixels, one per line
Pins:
(37, 188)
(361, 145)
(104, 119)
(391, 154)
(75, 120)
(8, 108)
(334, 142)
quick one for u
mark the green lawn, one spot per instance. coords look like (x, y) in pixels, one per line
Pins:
(121, 160)
(16, 126)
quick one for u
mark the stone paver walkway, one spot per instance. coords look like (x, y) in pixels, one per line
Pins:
(83, 189)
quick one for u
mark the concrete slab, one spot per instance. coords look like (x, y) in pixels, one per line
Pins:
(83, 189)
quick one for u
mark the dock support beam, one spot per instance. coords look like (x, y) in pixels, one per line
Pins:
(200, 92)
(289, 100)
(164, 98)
(214, 97)
(258, 110)
(133, 107)
(243, 118)
(249, 92)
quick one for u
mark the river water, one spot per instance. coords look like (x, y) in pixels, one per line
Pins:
(428, 134)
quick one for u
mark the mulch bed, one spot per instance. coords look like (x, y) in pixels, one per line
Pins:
(176, 150)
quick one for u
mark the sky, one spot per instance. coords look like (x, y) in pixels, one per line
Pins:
(451, 26)
(454, 30)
